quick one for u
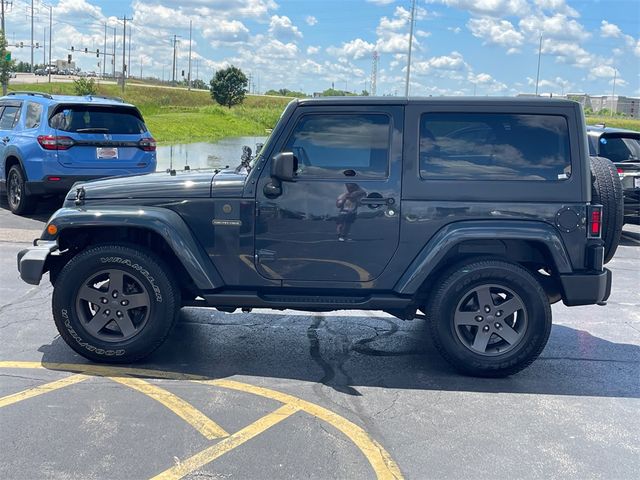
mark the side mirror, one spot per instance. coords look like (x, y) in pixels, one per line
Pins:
(284, 166)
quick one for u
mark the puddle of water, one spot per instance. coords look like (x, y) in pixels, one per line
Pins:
(205, 155)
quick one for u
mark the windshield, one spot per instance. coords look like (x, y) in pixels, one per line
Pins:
(95, 119)
(620, 149)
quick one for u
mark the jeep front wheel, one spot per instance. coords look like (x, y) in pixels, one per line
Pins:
(489, 318)
(114, 303)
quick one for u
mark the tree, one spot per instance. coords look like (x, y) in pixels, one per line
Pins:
(6, 66)
(198, 84)
(82, 86)
(229, 86)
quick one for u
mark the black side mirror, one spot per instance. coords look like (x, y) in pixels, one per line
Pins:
(284, 166)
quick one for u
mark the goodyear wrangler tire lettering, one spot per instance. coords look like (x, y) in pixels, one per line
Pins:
(92, 309)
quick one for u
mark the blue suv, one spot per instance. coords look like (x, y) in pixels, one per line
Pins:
(49, 142)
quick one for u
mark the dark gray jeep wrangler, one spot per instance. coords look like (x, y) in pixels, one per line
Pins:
(476, 214)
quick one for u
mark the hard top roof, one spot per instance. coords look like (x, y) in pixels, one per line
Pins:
(321, 101)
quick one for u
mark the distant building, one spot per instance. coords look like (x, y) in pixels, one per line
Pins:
(64, 65)
(582, 98)
(629, 106)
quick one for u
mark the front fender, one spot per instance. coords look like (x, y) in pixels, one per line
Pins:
(166, 223)
(449, 236)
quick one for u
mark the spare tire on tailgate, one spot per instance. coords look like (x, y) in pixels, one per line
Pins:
(607, 191)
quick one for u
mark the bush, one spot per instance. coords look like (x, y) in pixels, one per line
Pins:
(229, 86)
(82, 86)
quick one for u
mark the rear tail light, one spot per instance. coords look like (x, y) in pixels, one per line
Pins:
(620, 172)
(147, 144)
(53, 142)
(595, 221)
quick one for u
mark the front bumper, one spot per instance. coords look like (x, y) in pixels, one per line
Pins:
(586, 288)
(32, 261)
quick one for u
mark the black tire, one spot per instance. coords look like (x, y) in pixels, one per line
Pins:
(607, 191)
(145, 280)
(19, 202)
(531, 323)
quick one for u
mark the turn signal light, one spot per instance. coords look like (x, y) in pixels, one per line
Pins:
(147, 144)
(54, 142)
(52, 229)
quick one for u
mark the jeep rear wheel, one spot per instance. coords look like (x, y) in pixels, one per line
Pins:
(489, 318)
(113, 303)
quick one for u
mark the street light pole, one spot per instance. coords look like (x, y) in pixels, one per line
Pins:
(539, 55)
(189, 74)
(613, 92)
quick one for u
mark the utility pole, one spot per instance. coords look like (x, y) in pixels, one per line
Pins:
(124, 51)
(4, 85)
(539, 55)
(129, 54)
(32, 36)
(44, 45)
(104, 52)
(140, 67)
(50, 34)
(413, 16)
(173, 68)
(613, 92)
(113, 61)
(189, 74)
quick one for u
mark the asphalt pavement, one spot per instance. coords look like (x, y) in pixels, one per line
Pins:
(332, 395)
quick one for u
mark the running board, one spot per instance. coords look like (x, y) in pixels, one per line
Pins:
(244, 299)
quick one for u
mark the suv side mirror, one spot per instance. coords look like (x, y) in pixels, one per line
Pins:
(284, 166)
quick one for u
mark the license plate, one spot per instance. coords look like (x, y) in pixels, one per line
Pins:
(636, 182)
(108, 153)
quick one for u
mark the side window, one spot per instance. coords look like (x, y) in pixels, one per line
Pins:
(486, 146)
(33, 115)
(335, 145)
(9, 117)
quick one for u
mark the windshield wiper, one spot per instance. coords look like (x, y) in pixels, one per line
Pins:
(92, 130)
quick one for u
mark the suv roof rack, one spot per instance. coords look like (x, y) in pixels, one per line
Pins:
(32, 94)
(108, 97)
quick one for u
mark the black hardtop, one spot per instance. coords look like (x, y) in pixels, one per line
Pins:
(493, 101)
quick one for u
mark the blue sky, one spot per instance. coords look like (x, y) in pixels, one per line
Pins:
(462, 47)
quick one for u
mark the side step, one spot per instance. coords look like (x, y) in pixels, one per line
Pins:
(244, 299)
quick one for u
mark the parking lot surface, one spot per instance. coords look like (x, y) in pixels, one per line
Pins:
(294, 394)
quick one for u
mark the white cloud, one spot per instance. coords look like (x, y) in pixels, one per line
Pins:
(602, 71)
(283, 29)
(558, 26)
(311, 50)
(354, 49)
(311, 20)
(226, 31)
(455, 30)
(609, 29)
(497, 32)
(381, 2)
(559, 6)
(496, 8)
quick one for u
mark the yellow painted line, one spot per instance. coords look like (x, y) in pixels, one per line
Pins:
(381, 462)
(209, 454)
(41, 389)
(177, 405)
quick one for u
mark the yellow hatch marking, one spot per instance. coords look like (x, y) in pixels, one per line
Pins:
(41, 389)
(180, 407)
(207, 455)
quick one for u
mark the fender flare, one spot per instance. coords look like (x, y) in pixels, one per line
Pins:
(162, 221)
(450, 235)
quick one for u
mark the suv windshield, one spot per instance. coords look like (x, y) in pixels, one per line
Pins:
(620, 149)
(97, 119)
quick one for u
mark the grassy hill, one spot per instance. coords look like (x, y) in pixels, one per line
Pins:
(180, 116)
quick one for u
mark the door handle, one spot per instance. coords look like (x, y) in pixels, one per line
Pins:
(377, 201)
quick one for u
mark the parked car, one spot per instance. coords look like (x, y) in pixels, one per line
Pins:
(471, 213)
(49, 142)
(622, 147)
(40, 72)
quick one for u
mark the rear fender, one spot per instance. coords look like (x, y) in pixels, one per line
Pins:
(430, 257)
(164, 222)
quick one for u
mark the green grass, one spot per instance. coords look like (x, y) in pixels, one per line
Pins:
(182, 116)
(617, 122)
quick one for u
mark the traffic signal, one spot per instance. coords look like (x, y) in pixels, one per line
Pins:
(183, 73)
(37, 44)
(86, 50)
(98, 53)
(72, 48)
(69, 58)
(21, 44)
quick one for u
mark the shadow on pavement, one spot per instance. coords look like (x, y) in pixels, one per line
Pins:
(350, 352)
(45, 208)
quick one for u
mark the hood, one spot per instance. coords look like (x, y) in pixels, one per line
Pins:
(180, 185)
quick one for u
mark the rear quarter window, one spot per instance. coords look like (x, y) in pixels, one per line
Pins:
(96, 119)
(494, 146)
(33, 115)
